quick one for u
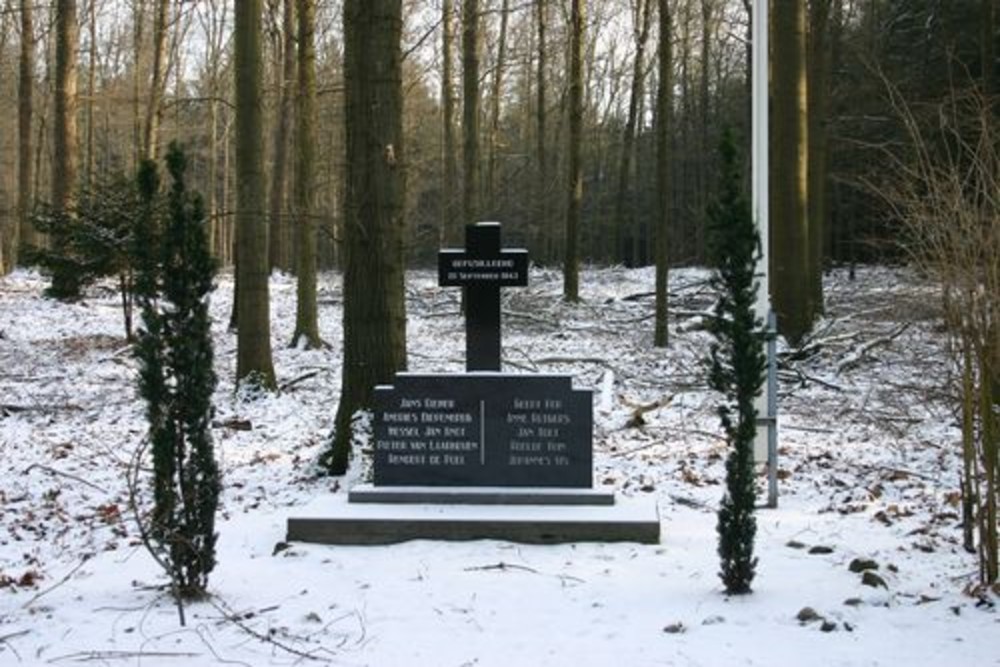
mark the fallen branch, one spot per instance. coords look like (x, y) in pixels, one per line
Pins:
(59, 583)
(265, 638)
(285, 386)
(93, 656)
(502, 567)
(857, 357)
(53, 471)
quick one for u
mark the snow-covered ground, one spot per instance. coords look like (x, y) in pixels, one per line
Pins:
(869, 469)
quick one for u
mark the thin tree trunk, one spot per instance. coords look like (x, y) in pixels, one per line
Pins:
(25, 111)
(154, 106)
(622, 249)
(546, 233)
(495, 114)
(254, 364)
(278, 252)
(470, 110)
(374, 304)
(450, 228)
(571, 262)
(704, 149)
(664, 116)
(306, 312)
(88, 176)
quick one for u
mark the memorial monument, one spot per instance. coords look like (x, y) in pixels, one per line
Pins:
(469, 455)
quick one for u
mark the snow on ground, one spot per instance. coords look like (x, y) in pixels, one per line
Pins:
(869, 469)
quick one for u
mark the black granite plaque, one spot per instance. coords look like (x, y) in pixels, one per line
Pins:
(483, 429)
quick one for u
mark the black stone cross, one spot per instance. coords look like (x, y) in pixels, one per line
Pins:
(482, 268)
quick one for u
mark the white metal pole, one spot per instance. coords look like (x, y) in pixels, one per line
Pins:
(761, 212)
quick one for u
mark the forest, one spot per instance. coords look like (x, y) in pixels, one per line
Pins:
(142, 73)
(220, 222)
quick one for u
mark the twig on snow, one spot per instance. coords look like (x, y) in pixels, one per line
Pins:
(53, 471)
(59, 583)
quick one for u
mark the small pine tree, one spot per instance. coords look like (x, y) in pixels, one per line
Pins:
(737, 365)
(177, 378)
(92, 240)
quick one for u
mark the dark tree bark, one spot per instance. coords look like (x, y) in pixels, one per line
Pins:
(277, 251)
(254, 365)
(664, 118)
(450, 227)
(64, 135)
(306, 315)
(571, 262)
(491, 174)
(470, 110)
(25, 112)
(790, 246)
(546, 233)
(374, 304)
(623, 222)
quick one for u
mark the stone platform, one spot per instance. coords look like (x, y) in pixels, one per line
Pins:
(334, 520)
(478, 495)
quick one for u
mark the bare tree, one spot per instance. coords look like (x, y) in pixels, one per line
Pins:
(664, 121)
(498, 69)
(622, 222)
(154, 104)
(278, 253)
(254, 365)
(541, 131)
(374, 303)
(571, 262)
(450, 226)
(25, 112)
(470, 110)
(790, 247)
(64, 138)
(306, 315)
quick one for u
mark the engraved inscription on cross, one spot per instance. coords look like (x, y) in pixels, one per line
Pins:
(482, 268)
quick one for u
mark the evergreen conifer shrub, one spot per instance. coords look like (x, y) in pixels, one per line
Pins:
(176, 376)
(737, 365)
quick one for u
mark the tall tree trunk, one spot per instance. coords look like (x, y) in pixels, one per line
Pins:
(495, 113)
(374, 304)
(790, 246)
(664, 119)
(623, 249)
(64, 139)
(450, 227)
(25, 111)
(64, 160)
(546, 233)
(306, 316)
(278, 253)
(819, 94)
(253, 344)
(571, 262)
(470, 111)
(138, 25)
(704, 149)
(154, 106)
(88, 167)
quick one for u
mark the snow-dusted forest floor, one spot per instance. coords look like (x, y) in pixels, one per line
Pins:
(869, 468)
